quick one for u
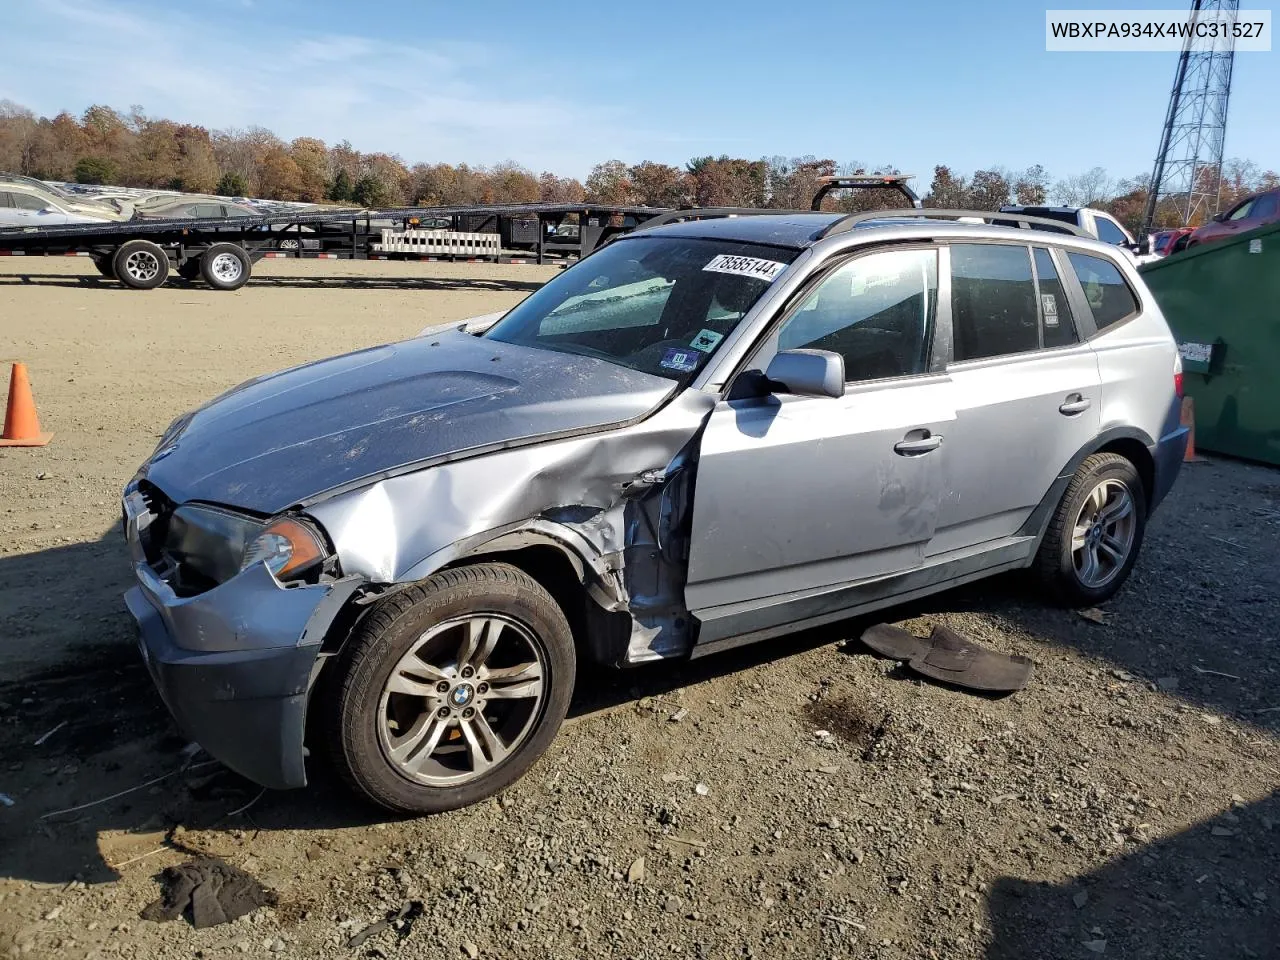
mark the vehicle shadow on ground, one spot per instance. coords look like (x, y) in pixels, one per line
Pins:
(319, 283)
(84, 722)
(1208, 891)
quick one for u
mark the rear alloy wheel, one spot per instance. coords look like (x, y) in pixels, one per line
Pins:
(450, 690)
(140, 264)
(225, 266)
(1093, 539)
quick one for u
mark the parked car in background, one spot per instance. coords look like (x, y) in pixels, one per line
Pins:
(1096, 223)
(180, 207)
(1248, 214)
(1166, 242)
(22, 207)
(60, 202)
(704, 434)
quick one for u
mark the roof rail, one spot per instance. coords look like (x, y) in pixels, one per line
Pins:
(705, 213)
(866, 181)
(845, 224)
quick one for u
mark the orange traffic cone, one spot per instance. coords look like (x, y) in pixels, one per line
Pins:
(21, 425)
(1189, 421)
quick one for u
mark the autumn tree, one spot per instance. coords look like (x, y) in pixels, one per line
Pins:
(107, 137)
(278, 175)
(988, 190)
(312, 157)
(610, 182)
(17, 136)
(512, 183)
(728, 181)
(554, 189)
(386, 177)
(1031, 186)
(947, 191)
(791, 184)
(660, 184)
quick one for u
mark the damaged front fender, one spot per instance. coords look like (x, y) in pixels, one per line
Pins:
(601, 498)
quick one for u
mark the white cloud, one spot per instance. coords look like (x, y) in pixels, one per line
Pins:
(437, 100)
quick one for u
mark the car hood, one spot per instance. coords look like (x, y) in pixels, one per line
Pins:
(288, 437)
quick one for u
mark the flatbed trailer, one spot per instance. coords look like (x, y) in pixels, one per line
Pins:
(221, 251)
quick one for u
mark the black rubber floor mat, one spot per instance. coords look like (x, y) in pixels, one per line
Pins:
(954, 659)
(894, 642)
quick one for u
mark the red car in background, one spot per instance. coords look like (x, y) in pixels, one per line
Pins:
(1252, 212)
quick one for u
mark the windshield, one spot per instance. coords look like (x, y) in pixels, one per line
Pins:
(660, 305)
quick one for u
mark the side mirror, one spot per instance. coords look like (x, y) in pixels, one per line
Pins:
(807, 373)
(50, 209)
(1219, 217)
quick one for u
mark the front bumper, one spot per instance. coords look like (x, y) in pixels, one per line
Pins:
(234, 664)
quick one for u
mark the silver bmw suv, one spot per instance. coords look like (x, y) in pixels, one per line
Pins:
(707, 433)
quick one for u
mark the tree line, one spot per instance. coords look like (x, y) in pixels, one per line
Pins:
(105, 146)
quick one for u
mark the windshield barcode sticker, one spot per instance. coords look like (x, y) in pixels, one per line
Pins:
(766, 270)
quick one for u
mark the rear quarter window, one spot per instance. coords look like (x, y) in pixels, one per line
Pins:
(1109, 296)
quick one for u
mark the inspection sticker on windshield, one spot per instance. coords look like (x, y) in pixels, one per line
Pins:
(676, 358)
(766, 270)
(706, 340)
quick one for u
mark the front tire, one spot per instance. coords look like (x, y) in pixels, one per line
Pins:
(448, 691)
(1096, 533)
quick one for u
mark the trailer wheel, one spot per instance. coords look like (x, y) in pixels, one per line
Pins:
(141, 264)
(225, 266)
(104, 267)
(190, 270)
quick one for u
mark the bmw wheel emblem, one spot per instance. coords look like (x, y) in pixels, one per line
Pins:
(462, 695)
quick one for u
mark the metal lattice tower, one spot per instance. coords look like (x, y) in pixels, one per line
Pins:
(1188, 170)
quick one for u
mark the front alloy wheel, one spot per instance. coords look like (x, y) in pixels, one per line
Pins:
(449, 690)
(463, 698)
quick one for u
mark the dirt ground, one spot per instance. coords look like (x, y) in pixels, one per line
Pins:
(810, 800)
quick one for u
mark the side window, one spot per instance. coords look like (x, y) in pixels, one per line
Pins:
(993, 301)
(6, 199)
(1109, 296)
(1108, 232)
(876, 311)
(24, 201)
(1242, 211)
(1059, 329)
(1264, 207)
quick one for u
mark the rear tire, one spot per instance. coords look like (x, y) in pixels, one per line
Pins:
(1096, 533)
(140, 264)
(225, 266)
(429, 710)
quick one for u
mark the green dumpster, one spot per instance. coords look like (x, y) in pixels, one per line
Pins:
(1223, 302)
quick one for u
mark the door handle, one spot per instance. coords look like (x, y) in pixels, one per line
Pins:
(916, 443)
(1074, 404)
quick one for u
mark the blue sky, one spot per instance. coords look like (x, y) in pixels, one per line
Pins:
(559, 85)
